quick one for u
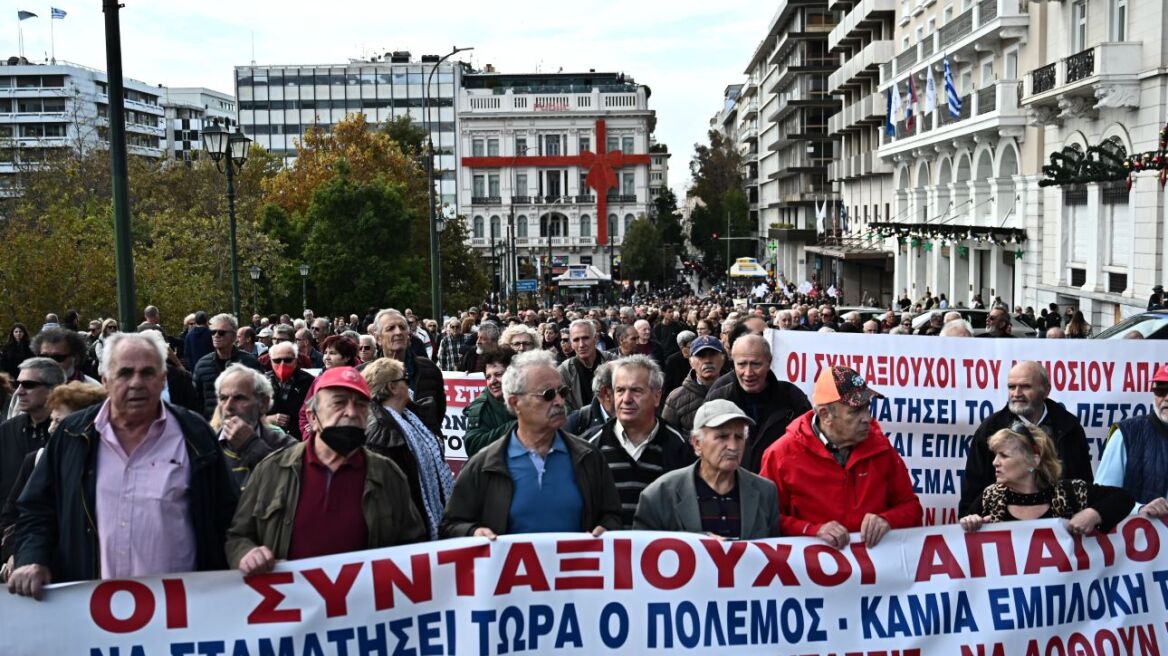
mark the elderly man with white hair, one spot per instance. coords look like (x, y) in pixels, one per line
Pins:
(957, 328)
(81, 518)
(538, 479)
(714, 496)
(244, 398)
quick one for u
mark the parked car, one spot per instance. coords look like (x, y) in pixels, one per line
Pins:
(1152, 325)
(977, 319)
(865, 311)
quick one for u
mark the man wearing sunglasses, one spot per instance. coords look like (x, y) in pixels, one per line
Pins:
(210, 366)
(1136, 455)
(537, 479)
(66, 349)
(290, 385)
(1028, 388)
(29, 430)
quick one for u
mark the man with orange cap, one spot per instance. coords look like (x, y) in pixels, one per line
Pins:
(835, 470)
(1136, 455)
(329, 493)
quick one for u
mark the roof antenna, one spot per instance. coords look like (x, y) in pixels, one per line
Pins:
(253, 48)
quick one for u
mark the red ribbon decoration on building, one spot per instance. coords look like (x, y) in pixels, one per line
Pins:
(602, 166)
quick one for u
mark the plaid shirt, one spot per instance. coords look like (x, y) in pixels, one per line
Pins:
(450, 351)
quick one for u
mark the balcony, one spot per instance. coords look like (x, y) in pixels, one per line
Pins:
(864, 65)
(1102, 76)
(858, 23)
(869, 110)
(750, 108)
(622, 198)
(985, 26)
(993, 110)
(585, 199)
(517, 200)
(749, 134)
(479, 101)
(486, 200)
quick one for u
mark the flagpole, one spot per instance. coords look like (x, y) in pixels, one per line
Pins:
(52, 42)
(20, 36)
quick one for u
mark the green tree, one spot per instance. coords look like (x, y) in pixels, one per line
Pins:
(664, 215)
(717, 180)
(641, 255)
(464, 276)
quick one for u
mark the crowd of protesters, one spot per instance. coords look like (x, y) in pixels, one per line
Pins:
(286, 438)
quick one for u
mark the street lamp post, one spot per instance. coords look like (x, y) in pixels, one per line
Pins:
(435, 267)
(231, 149)
(255, 295)
(303, 287)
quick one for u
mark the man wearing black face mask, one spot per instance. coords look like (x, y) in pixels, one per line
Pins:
(337, 495)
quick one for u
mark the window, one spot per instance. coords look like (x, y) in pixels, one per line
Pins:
(521, 227)
(612, 143)
(1118, 20)
(904, 43)
(932, 25)
(948, 14)
(476, 148)
(629, 218)
(905, 8)
(627, 144)
(551, 144)
(1012, 65)
(920, 33)
(585, 225)
(966, 5)
(520, 146)
(552, 181)
(987, 73)
(478, 227)
(520, 184)
(494, 228)
(493, 185)
(613, 224)
(585, 144)
(966, 83)
(584, 189)
(492, 147)
(1079, 25)
(480, 186)
(628, 183)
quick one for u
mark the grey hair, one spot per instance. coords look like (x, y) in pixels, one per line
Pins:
(583, 322)
(518, 329)
(952, 327)
(225, 317)
(515, 378)
(490, 329)
(685, 338)
(50, 371)
(151, 338)
(621, 329)
(898, 330)
(602, 377)
(656, 376)
(749, 338)
(785, 313)
(353, 335)
(260, 385)
(294, 346)
(387, 312)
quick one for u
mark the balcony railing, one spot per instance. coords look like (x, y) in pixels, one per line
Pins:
(622, 198)
(585, 198)
(987, 100)
(906, 58)
(1081, 65)
(521, 200)
(1044, 78)
(988, 10)
(486, 200)
(957, 28)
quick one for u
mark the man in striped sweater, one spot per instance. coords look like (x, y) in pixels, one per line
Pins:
(637, 445)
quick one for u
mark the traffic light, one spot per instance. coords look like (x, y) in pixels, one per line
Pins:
(715, 236)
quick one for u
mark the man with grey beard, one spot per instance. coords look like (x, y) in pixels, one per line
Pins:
(1028, 402)
(1137, 450)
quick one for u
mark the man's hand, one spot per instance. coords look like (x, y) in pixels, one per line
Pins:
(873, 528)
(484, 532)
(29, 581)
(257, 561)
(278, 419)
(1084, 522)
(598, 531)
(834, 534)
(1155, 508)
(972, 523)
(237, 432)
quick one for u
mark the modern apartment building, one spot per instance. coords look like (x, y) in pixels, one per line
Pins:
(188, 110)
(559, 161)
(1098, 78)
(47, 107)
(278, 104)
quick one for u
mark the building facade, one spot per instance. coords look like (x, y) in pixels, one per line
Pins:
(1098, 80)
(279, 104)
(188, 110)
(48, 107)
(557, 162)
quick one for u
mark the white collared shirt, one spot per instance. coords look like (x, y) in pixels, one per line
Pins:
(634, 450)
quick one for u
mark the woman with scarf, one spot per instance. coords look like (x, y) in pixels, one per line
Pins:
(397, 433)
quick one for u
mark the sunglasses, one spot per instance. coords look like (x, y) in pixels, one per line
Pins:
(365, 348)
(283, 360)
(1159, 390)
(550, 393)
(32, 384)
(221, 333)
(1022, 429)
(59, 357)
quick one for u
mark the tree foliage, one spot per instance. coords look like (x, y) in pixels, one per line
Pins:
(717, 180)
(641, 253)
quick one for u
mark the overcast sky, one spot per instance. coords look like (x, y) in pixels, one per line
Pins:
(686, 51)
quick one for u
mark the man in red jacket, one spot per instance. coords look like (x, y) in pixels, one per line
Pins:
(836, 471)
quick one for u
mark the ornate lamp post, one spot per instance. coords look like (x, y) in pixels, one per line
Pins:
(229, 148)
(255, 295)
(303, 287)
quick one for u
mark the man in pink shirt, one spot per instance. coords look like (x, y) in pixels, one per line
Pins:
(133, 487)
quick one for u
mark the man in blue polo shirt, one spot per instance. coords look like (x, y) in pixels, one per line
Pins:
(538, 479)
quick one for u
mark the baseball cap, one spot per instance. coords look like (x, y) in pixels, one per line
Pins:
(1161, 376)
(706, 342)
(346, 378)
(842, 384)
(266, 332)
(717, 412)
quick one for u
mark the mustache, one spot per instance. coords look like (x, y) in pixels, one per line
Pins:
(558, 411)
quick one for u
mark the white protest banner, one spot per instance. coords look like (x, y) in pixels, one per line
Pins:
(938, 390)
(1011, 589)
(461, 389)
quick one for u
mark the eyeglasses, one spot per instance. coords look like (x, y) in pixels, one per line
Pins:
(365, 348)
(283, 360)
(32, 384)
(550, 393)
(524, 344)
(1022, 429)
(221, 333)
(59, 357)
(1160, 391)
(398, 380)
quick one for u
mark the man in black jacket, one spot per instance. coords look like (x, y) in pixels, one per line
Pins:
(290, 385)
(1028, 401)
(423, 376)
(75, 523)
(244, 397)
(208, 368)
(707, 362)
(29, 430)
(753, 387)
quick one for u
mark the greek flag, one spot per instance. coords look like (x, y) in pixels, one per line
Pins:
(889, 119)
(58, 13)
(951, 97)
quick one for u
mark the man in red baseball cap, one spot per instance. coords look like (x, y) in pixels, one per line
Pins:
(1136, 454)
(836, 471)
(333, 494)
